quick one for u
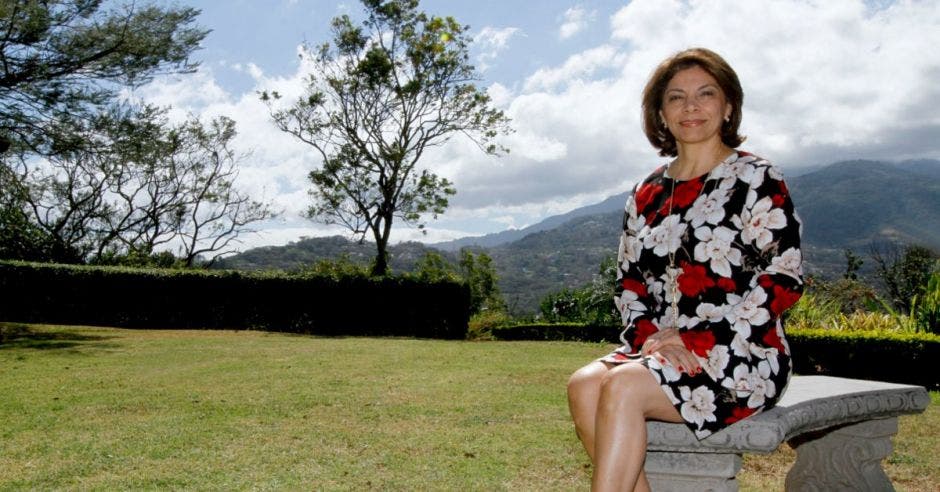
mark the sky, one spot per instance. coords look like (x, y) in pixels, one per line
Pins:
(824, 81)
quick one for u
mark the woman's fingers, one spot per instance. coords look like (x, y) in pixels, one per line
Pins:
(680, 358)
(660, 339)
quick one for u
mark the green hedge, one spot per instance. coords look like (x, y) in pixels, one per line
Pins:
(881, 356)
(908, 358)
(153, 298)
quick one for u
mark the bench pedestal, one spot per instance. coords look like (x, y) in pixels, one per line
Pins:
(845, 458)
(841, 430)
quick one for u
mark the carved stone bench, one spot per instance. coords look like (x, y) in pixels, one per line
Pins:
(841, 430)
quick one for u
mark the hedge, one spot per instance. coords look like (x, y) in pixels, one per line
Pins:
(193, 299)
(883, 356)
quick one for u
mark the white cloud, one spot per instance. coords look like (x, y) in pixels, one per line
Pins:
(491, 41)
(823, 81)
(574, 21)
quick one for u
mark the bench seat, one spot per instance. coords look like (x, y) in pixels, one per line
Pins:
(841, 429)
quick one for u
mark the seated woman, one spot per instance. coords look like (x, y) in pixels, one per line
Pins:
(709, 259)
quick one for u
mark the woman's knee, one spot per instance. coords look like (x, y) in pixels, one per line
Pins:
(627, 380)
(586, 380)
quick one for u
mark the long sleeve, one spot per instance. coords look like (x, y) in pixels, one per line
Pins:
(632, 297)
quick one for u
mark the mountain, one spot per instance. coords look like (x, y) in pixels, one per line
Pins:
(615, 202)
(849, 204)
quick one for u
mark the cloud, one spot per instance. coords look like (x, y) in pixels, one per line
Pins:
(574, 21)
(823, 81)
(491, 41)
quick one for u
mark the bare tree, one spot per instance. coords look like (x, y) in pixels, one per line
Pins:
(158, 187)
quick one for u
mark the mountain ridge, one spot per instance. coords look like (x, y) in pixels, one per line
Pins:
(847, 204)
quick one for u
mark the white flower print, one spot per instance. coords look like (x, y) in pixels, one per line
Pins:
(740, 346)
(666, 237)
(758, 219)
(767, 353)
(630, 248)
(670, 393)
(670, 374)
(711, 312)
(669, 318)
(629, 305)
(753, 175)
(747, 311)
(715, 247)
(774, 173)
(762, 387)
(655, 288)
(698, 405)
(635, 223)
(718, 359)
(790, 262)
(740, 381)
(708, 208)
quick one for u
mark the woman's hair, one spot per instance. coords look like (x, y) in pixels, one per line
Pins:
(718, 68)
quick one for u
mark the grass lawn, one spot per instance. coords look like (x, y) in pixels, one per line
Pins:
(96, 408)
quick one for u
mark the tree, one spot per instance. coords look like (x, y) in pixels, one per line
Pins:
(480, 275)
(152, 186)
(904, 274)
(65, 60)
(381, 95)
(852, 264)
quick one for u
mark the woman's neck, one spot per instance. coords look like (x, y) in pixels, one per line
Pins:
(697, 159)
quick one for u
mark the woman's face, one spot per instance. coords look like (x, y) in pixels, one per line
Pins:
(694, 106)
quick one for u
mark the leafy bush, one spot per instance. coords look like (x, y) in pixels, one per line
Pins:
(925, 308)
(310, 303)
(894, 357)
(592, 303)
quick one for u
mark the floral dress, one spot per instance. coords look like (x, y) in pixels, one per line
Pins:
(718, 257)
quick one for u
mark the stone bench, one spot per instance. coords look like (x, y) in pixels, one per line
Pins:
(841, 430)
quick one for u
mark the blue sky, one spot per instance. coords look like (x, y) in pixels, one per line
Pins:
(823, 81)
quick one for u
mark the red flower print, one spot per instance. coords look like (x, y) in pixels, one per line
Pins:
(772, 340)
(783, 188)
(738, 413)
(783, 298)
(727, 284)
(693, 279)
(645, 195)
(765, 281)
(698, 342)
(644, 328)
(777, 200)
(687, 192)
(634, 286)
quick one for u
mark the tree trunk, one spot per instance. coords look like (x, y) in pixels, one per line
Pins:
(380, 267)
(381, 231)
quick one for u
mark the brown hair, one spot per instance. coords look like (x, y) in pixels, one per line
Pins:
(718, 68)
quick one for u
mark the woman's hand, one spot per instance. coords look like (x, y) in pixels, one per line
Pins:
(660, 339)
(679, 357)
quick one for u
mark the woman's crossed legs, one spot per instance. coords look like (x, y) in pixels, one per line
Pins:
(610, 406)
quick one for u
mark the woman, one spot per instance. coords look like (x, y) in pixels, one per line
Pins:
(709, 260)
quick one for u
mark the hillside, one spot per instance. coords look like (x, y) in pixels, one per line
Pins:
(848, 204)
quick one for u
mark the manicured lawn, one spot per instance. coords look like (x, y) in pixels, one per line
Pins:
(96, 408)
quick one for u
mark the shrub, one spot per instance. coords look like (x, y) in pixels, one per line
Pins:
(150, 298)
(894, 357)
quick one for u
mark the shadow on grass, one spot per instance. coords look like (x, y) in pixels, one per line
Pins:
(20, 336)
